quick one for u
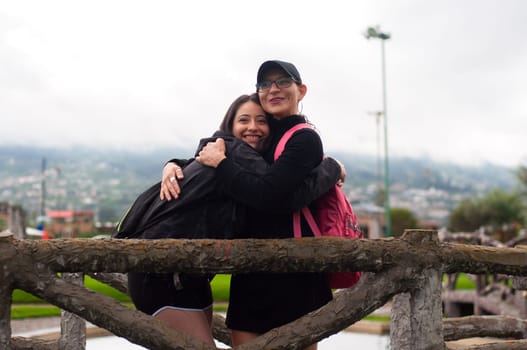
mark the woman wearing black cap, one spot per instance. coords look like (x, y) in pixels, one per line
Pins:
(204, 210)
(262, 301)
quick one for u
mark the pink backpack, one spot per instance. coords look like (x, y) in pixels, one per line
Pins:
(334, 217)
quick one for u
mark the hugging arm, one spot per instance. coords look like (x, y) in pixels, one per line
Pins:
(172, 172)
(303, 183)
(302, 154)
(319, 181)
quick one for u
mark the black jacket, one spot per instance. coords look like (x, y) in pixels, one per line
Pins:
(204, 209)
(302, 153)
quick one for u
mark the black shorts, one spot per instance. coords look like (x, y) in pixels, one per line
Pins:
(152, 292)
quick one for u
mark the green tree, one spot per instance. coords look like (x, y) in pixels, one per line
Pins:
(496, 208)
(402, 219)
(501, 207)
(467, 216)
(521, 174)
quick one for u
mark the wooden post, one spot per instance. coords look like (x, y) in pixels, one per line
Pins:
(72, 327)
(17, 221)
(417, 318)
(400, 323)
(520, 284)
(6, 290)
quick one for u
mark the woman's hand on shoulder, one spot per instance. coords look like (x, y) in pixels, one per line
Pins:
(169, 182)
(342, 173)
(212, 154)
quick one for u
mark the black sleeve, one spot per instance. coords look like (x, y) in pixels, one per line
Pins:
(319, 181)
(181, 162)
(303, 152)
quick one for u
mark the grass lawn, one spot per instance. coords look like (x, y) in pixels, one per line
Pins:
(33, 311)
(464, 283)
(22, 297)
(220, 288)
(26, 305)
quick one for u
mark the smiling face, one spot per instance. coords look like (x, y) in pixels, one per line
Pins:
(250, 124)
(281, 102)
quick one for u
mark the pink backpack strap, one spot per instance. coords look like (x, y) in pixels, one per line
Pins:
(283, 140)
(297, 229)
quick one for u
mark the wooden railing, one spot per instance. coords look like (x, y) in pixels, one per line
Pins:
(495, 294)
(407, 271)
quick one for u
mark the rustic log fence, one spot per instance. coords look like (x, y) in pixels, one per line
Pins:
(495, 294)
(407, 270)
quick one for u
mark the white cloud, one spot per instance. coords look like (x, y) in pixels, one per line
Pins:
(130, 73)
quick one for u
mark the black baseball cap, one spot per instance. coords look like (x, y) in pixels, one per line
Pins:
(287, 67)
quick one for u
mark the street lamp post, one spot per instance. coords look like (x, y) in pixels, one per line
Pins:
(376, 33)
(378, 115)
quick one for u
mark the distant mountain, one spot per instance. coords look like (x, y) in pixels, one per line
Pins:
(425, 173)
(362, 169)
(26, 160)
(80, 178)
(108, 181)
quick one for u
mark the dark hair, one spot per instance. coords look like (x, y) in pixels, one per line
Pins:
(228, 120)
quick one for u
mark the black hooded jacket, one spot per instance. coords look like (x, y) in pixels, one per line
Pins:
(204, 209)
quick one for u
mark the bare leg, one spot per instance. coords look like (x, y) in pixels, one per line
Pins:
(242, 337)
(195, 323)
(208, 315)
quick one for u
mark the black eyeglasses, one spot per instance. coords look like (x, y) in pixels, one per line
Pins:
(281, 83)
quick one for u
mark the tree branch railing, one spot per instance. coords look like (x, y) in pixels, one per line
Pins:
(408, 270)
(492, 293)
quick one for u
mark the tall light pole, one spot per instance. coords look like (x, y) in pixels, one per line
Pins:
(376, 33)
(43, 190)
(378, 115)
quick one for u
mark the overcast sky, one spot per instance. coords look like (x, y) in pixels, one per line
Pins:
(144, 74)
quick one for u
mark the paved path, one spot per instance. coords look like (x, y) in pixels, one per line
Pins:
(51, 325)
(30, 325)
(34, 324)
